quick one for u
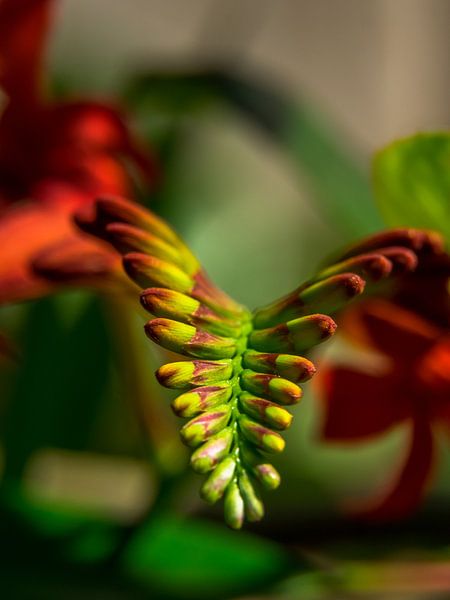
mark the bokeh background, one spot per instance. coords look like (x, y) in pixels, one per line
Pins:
(263, 181)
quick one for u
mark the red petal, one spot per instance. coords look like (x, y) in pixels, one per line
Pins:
(359, 405)
(23, 28)
(78, 259)
(29, 231)
(394, 331)
(410, 486)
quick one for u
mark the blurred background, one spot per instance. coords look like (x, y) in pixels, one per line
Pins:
(264, 117)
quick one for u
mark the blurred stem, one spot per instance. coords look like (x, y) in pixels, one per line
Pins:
(143, 392)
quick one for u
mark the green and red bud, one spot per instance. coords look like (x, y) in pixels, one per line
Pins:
(294, 336)
(200, 399)
(188, 340)
(254, 508)
(264, 411)
(263, 384)
(163, 302)
(261, 436)
(371, 265)
(267, 475)
(200, 429)
(207, 456)
(234, 511)
(415, 239)
(119, 210)
(127, 238)
(193, 373)
(214, 487)
(149, 271)
(295, 368)
(328, 296)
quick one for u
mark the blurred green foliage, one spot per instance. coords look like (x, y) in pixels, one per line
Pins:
(412, 182)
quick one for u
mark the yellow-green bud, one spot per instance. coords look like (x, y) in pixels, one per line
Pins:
(261, 436)
(200, 429)
(254, 508)
(216, 484)
(207, 456)
(233, 507)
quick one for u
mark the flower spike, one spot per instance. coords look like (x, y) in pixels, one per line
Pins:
(242, 369)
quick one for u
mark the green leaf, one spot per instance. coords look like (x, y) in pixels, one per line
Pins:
(198, 559)
(412, 182)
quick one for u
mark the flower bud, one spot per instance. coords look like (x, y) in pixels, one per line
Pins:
(163, 302)
(415, 239)
(264, 411)
(267, 475)
(261, 436)
(288, 366)
(214, 487)
(115, 209)
(327, 296)
(149, 271)
(200, 429)
(193, 373)
(294, 336)
(254, 509)
(200, 399)
(372, 265)
(278, 389)
(207, 456)
(127, 238)
(188, 340)
(233, 507)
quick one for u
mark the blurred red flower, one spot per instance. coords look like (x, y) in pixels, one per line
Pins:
(55, 158)
(411, 330)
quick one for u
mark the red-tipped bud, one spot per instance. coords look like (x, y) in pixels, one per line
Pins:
(274, 387)
(200, 429)
(185, 374)
(188, 340)
(289, 366)
(200, 399)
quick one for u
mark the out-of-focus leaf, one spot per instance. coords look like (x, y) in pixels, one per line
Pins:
(412, 182)
(337, 179)
(60, 383)
(198, 559)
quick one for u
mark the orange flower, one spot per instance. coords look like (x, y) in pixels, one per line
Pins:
(411, 330)
(54, 159)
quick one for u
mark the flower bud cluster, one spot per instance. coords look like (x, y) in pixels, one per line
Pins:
(241, 369)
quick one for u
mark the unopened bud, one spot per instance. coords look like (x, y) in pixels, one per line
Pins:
(200, 399)
(200, 429)
(294, 336)
(207, 456)
(267, 475)
(149, 271)
(264, 411)
(127, 238)
(289, 366)
(214, 487)
(254, 508)
(193, 373)
(278, 389)
(233, 507)
(261, 436)
(324, 296)
(188, 340)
